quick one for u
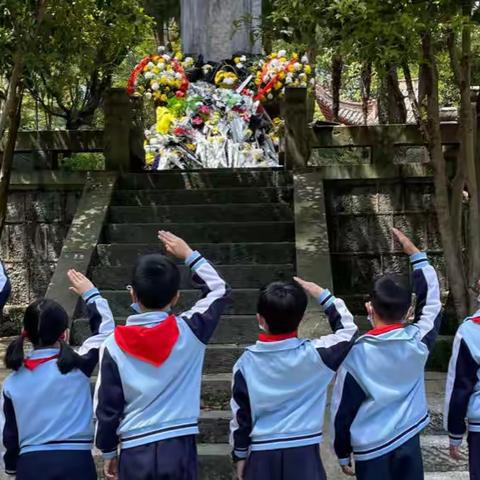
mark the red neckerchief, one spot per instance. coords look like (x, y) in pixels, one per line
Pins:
(152, 345)
(385, 329)
(476, 319)
(268, 337)
(33, 363)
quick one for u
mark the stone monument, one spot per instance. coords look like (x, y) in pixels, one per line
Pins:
(217, 29)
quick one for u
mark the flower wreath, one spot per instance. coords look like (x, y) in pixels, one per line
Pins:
(163, 77)
(278, 72)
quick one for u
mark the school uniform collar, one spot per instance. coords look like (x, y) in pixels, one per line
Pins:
(147, 318)
(40, 353)
(475, 317)
(385, 329)
(270, 337)
(288, 344)
(39, 357)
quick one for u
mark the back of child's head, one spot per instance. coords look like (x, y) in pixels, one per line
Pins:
(391, 298)
(44, 324)
(282, 305)
(156, 280)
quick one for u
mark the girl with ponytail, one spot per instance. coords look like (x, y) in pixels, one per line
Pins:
(47, 401)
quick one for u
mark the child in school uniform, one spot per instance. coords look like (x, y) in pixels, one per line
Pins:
(47, 401)
(148, 392)
(462, 398)
(280, 384)
(379, 405)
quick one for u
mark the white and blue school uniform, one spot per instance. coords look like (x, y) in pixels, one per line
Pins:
(462, 398)
(279, 394)
(5, 286)
(379, 404)
(148, 392)
(47, 415)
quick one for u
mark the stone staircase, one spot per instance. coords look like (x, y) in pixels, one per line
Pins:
(243, 223)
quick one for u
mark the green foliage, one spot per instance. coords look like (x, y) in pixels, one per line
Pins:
(81, 44)
(83, 161)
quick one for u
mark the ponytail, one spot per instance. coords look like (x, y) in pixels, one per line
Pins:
(14, 356)
(68, 359)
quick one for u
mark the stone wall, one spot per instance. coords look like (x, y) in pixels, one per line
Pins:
(360, 215)
(37, 223)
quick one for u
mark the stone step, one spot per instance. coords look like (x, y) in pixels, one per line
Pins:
(447, 475)
(204, 179)
(240, 329)
(436, 457)
(237, 276)
(198, 213)
(205, 196)
(205, 232)
(244, 301)
(219, 254)
(221, 358)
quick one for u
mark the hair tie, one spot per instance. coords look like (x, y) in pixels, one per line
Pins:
(24, 334)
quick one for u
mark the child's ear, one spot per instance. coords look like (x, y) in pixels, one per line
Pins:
(66, 336)
(133, 295)
(369, 308)
(175, 299)
(261, 322)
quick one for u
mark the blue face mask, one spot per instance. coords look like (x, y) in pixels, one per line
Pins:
(136, 308)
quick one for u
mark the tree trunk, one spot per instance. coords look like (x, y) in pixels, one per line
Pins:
(391, 103)
(14, 115)
(366, 85)
(451, 240)
(337, 66)
(468, 140)
(421, 83)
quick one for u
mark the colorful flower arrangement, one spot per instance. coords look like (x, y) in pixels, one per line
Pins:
(215, 118)
(278, 71)
(160, 77)
(226, 79)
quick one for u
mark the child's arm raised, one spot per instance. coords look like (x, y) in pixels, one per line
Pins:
(100, 317)
(428, 307)
(332, 348)
(204, 316)
(241, 423)
(461, 380)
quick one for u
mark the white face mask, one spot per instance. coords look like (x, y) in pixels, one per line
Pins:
(370, 319)
(261, 327)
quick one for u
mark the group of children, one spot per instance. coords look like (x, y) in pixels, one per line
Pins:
(144, 415)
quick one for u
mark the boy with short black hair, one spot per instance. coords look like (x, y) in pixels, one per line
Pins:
(280, 385)
(462, 398)
(379, 405)
(148, 392)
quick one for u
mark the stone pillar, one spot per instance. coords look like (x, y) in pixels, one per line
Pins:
(118, 117)
(217, 29)
(312, 245)
(297, 139)
(137, 135)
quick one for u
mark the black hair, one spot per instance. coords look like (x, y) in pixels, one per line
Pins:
(282, 305)
(391, 298)
(43, 324)
(156, 280)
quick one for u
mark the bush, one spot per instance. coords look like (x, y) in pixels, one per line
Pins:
(83, 161)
